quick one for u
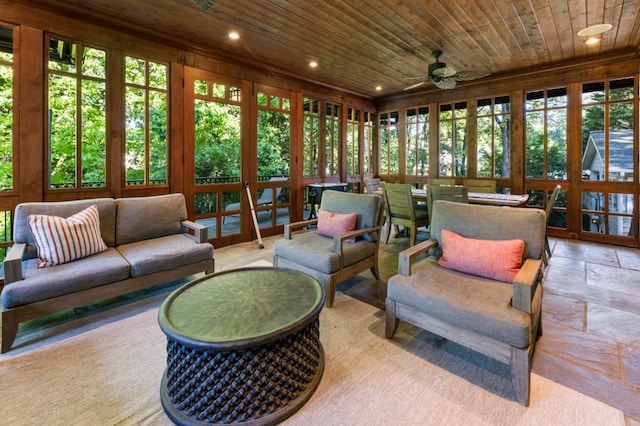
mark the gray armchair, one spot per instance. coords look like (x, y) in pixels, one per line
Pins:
(499, 319)
(331, 260)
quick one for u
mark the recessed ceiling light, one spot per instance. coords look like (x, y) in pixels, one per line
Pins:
(234, 35)
(313, 64)
(592, 40)
(595, 30)
(378, 88)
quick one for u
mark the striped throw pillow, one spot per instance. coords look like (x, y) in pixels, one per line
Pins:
(61, 240)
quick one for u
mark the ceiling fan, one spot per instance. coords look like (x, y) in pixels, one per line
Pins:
(444, 77)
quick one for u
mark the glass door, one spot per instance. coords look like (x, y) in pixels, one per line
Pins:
(609, 181)
(271, 159)
(213, 154)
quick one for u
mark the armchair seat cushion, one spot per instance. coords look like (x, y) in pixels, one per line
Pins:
(68, 278)
(316, 251)
(470, 302)
(164, 253)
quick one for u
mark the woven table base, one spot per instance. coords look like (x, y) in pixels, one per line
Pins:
(261, 385)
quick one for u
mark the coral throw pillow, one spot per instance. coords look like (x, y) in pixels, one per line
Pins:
(61, 240)
(496, 259)
(334, 224)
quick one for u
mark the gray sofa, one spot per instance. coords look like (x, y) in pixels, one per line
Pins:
(499, 319)
(149, 241)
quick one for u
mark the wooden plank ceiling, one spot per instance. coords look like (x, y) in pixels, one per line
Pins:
(361, 44)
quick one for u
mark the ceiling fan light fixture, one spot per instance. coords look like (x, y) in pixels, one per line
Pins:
(594, 30)
(203, 4)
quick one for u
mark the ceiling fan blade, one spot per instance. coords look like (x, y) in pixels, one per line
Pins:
(444, 71)
(414, 86)
(468, 75)
(445, 83)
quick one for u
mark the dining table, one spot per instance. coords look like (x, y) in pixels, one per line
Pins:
(487, 198)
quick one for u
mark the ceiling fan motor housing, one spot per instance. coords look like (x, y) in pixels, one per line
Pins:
(434, 66)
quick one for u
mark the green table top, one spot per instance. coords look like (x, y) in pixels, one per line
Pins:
(241, 308)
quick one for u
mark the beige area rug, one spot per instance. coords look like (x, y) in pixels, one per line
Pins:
(105, 369)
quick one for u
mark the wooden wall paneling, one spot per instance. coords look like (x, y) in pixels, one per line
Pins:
(115, 123)
(472, 142)
(574, 161)
(517, 142)
(32, 115)
(185, 149)
(178, 126)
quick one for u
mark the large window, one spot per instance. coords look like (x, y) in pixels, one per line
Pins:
(274, 154)
(417, 141)
(76, 102)
(274, 136)
(332, 139)
(546, 134)
(607, 130)
(493, 137)
(217, 149)
(311, 137)
(6, 132)
(608, 140)
(6, 109)
(452, 141)
(146, 105)
(389, 143)
(353, 141)
(369, 123)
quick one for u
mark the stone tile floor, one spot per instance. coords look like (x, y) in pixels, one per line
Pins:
(591, 322)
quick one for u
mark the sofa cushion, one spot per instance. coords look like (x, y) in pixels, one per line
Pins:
(44, 283)
(143, 218)
(316, 252)
(106, 211)
(496, 259)
(61, 240)
(473, 303)
(164, 253)
(333, 224)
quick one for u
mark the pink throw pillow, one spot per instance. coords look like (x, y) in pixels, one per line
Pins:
(334, 224)
(496, 259)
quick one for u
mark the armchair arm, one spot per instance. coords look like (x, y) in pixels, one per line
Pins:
(525, 284)
(405, 258)
(200, 232)
(290, 227)
(338, 240)
(13, 263)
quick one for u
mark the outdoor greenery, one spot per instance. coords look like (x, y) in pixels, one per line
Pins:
(418, 141)
(493, 136)
(452, 139)
(546, 134)
(389, 143)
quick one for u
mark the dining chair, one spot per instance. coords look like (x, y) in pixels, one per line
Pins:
(548, 210)
(480, 185)
(401, 210)
(372, 184)
(458, 194)
(442, 181)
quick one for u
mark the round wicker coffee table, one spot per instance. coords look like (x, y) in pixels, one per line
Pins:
(243, 347)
